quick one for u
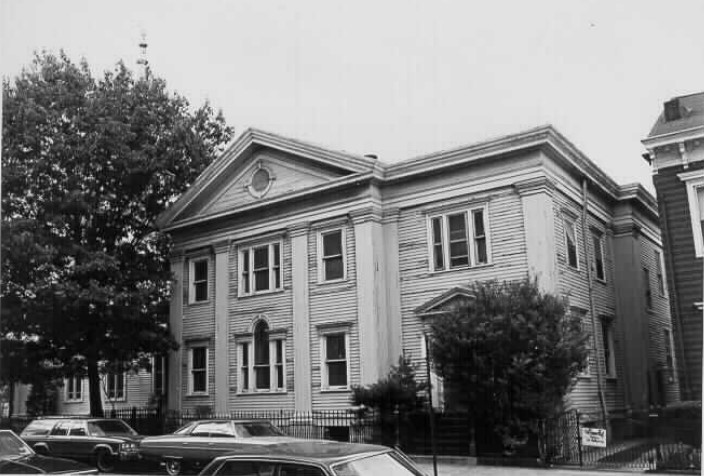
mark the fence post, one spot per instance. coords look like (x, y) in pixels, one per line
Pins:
(397, 432)
(579, 438)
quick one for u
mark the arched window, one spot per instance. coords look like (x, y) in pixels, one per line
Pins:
(261, 356)
(262, 361)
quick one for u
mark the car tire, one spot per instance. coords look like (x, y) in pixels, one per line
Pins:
(104, 460)
(173, 467)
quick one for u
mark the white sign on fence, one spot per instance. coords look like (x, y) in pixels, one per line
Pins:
(594, 437)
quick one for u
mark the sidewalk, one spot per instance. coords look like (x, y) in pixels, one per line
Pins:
(454, 469)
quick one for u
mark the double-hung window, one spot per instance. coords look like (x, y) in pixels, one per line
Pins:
(599, 271)
(694, 183)
(332, 259)
(459, 239)
(658, 273)
(74, 389)
(607, 339)
(198, 369)
(335, 360)
(198, 280)
(260, 268)
(570, 227)
(115, 385)
(646, 287)
(262, 361)
(669, 358)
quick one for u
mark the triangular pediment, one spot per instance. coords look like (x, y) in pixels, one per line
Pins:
(445, 302)
(259, 168)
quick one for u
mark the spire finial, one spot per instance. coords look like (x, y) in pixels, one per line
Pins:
(142, 61)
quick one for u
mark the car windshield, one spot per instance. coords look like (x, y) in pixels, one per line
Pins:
(12, 446)
(257, 428)
(386, 464)
(110, 427)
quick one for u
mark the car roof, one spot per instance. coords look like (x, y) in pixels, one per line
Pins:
(310, 450)
(226, 420)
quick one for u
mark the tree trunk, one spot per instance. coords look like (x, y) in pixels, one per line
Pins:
(96, 402)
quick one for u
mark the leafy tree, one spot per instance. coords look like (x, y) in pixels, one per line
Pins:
(398, 389)
(87, 166)
(509, 355)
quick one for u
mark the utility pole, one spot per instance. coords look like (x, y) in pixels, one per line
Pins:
(431, 411)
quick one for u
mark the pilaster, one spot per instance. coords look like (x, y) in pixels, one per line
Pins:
(222, 387)
(539, 225)
(175, 376)
(301, 319)
(371, 298)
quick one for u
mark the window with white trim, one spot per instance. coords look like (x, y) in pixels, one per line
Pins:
(572, 254)
(335, 360)
(694, 183)
(260, 268)
(332, 260)
(262, 361)
(115, 385)
(669, 357)
(74, 389)
(198, 369)
(659, 274)
(646, 287)
(459, 239)
(598, 265)
(607, 340)
(198, 280)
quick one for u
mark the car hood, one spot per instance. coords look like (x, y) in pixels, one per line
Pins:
(36, 464)
(125, 438)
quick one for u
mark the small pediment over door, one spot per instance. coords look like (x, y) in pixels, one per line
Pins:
(445, 302)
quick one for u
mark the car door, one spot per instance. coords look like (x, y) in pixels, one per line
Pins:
(81, 443)
(58, 441)
(194, 446)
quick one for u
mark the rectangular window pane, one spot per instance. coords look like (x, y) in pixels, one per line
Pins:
(277, 266)
(261, 257)
(438, 257)
(244, 366)
(200, 270)
(668, 350)
(480, 251)
(459, 249)
(332, 243)
(198, 358)
(459, 254)
(571, 243)
(598, 257)
(458, 227)
(337, 374)
(201, 291)
(334, 268)
(279, 364)
(245, 271)
(199, 381)
(335, 348)
(648, 292)
(262, 377)
(261, 280)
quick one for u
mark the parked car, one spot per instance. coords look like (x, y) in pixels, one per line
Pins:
(101, 441)
(314, 458)
(16, 457)
(197, 443)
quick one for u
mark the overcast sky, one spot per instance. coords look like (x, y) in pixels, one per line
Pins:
(397, 78)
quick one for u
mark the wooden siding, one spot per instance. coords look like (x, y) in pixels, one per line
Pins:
(658, 319)
(685, 274)
(419, 284)
(573, 284)
(276, 308)
(332, 303)
(138, 392)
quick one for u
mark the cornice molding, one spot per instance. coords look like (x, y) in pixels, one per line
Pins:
(298, 229)
(671, 138)
(391, 215)
(362, 215)
(534, 186)
(222, 246)
(626, 227)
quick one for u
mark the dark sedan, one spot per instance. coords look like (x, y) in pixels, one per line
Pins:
(101, 441)
(314, 458)
(197, 443)
(16, 457)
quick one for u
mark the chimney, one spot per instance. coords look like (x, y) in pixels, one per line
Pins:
(672, 110)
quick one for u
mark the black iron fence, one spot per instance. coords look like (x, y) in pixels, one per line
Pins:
(656, 441)
(647, 441)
